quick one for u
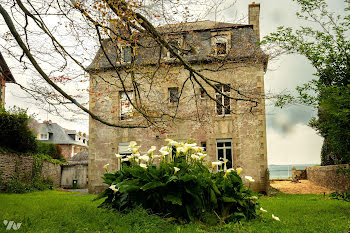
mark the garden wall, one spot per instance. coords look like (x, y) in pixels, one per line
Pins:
(328, 177)
(22, 164)
(75, 171)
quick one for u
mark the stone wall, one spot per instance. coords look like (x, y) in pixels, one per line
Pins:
(299, 174)
(328, 177)
(78, 171)
(22, 164)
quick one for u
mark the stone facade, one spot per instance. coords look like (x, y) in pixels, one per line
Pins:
(328, 177)
(244, 127)
(21, 164)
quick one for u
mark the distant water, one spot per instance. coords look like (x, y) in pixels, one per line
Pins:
(285, 171)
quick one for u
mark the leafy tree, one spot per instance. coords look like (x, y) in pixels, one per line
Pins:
(57, 40)
(326, 45)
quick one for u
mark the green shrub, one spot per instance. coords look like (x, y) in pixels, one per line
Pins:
(14, 131)
(181, 187)
(340, 196)
(48, 149)
(15, 185)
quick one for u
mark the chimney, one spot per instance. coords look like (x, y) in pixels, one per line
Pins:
(254, 14)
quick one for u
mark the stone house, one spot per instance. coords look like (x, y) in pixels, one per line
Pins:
(69, 141)
(5, 77)
(229, 128)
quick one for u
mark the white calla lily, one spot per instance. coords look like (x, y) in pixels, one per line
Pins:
(143, 165)
(113, 187)
(239, 170)
(262, 210)
(176, 169)
(250, 179)
(275, 218)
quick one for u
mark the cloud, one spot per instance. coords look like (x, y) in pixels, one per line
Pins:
(302, 146)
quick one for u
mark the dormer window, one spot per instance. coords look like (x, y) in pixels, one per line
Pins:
(221, 43)
(43, 137)
(174, 43)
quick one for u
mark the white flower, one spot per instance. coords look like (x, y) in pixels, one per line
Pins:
(150, 151)
(176, 169)
(143, 165)
(229, 170)
(239, 170)
(196, 157)
(155, 156)
(118, 156)
(164, 152)
(254, 198)
(262, 210)
(275, 218)
(218, 163)
(144, 158)
(132, 144)
(106, 166)
(250, 179)
(114, 188)
(125, 159)
(135, 149)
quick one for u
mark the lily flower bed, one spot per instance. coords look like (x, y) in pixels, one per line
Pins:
(181, 184)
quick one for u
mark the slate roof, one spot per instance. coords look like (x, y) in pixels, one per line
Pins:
(198, 35)
(80, 156)
(4, 69)
(58, 135)
(198, 26)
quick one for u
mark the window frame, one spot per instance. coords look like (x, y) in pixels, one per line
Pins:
(123, 48)
(129, 113)
(224, 147)
(169, 95)
(218, 95)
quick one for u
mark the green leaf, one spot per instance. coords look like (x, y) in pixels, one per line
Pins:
(174, 199)
(152, 185)
(213, 197)
(229, 199)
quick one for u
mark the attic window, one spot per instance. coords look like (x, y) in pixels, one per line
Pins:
(221, 44)
(43, 136)
(221, 48)
(174, 43)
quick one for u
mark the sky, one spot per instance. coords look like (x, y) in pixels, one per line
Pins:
(289, 139)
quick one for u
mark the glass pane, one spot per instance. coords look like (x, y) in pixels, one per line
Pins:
(220, 153)
(173, 95)
(204, 145)
(221, 48)
(218, 86)
(229, 163)
(228, 144)
(227, 105)
(127, 54)
(220, 144)
(227, 88)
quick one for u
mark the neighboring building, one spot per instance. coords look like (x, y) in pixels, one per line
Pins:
(76, 170)
(235, 130)
(69, 141)
(5, 77)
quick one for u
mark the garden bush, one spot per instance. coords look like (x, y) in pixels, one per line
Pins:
(48, 149)
(14, 131)
(180, 186)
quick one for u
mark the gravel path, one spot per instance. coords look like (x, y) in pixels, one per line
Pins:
(304, 187)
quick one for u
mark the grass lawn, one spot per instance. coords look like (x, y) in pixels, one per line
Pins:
(54, 211)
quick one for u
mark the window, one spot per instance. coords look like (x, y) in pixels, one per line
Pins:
(123, 149)
(203, 94)
(174, 43)
(126, 109)
(204, 145)
(126, 53)
(43, 136)
(221, 45)
(223, 102)
(173, 94)
(224, 151)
